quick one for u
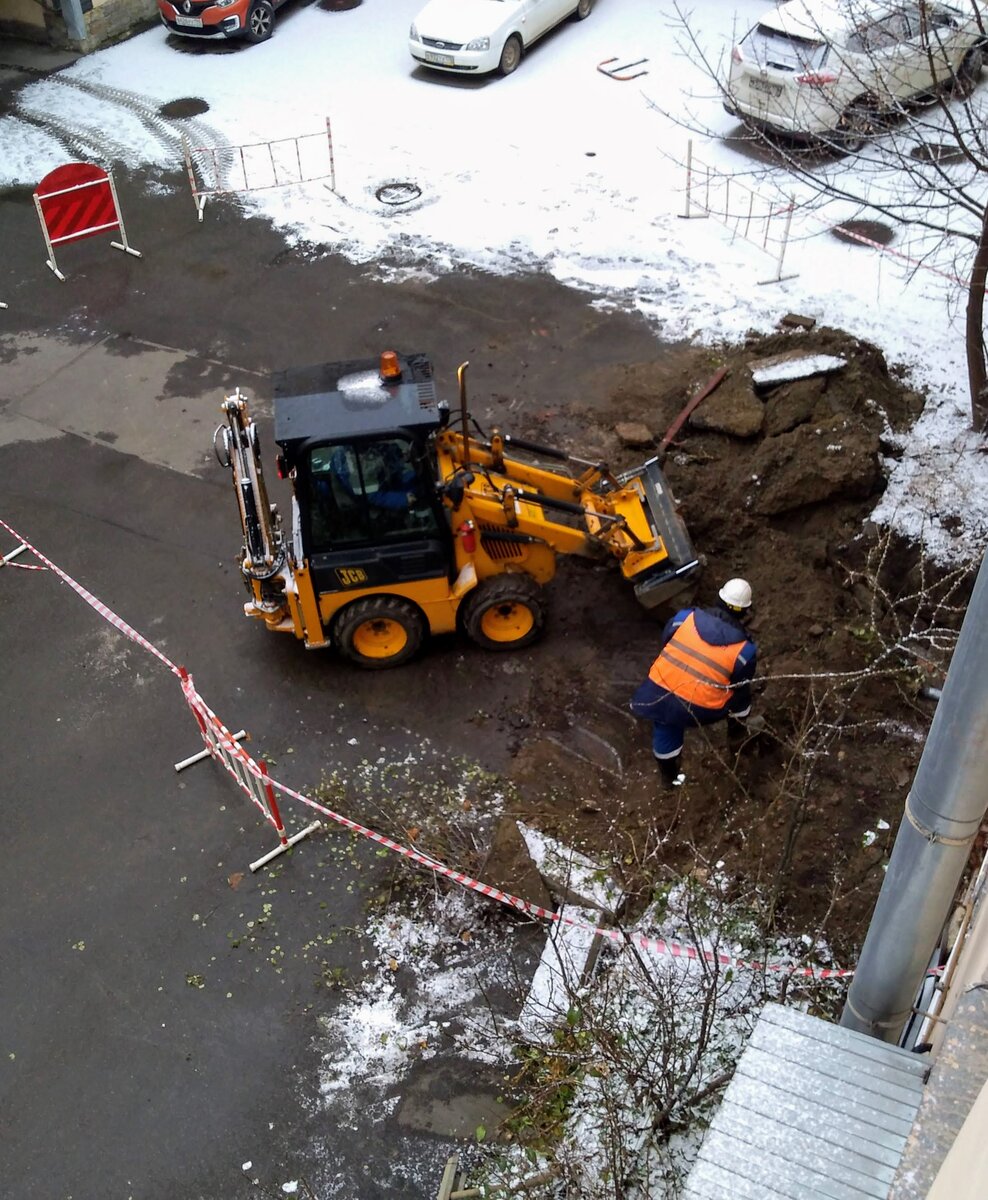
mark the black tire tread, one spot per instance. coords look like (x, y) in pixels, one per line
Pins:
(501, 589)
(394, 608)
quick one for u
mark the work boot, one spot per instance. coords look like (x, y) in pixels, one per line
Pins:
(737, 733)
(670, 772)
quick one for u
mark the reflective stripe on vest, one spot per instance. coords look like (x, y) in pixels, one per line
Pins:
(695, 671)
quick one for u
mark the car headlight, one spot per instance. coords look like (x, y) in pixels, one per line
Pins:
(413, 33)
(223, 3)
(478, 44)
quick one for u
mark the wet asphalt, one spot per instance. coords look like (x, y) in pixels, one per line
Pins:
(156, 1020)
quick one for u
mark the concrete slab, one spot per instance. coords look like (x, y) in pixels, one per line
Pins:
(153, 401)
(572, 875)
(452, 1099)
(569, 955)
(34, 57)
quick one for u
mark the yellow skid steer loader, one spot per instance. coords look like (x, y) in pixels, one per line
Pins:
(405, 523)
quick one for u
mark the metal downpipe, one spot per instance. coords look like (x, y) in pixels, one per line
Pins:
(942, 816)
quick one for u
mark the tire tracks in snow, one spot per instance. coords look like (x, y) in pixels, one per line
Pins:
(88, 140)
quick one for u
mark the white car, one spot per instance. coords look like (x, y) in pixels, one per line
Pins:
(474, 37)
(814, 69)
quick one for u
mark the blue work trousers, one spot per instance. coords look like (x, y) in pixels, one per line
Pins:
(671, 717)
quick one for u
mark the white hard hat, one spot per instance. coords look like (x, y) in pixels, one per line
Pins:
(736, 593)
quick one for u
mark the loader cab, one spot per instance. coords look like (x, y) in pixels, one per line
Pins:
(358, 445)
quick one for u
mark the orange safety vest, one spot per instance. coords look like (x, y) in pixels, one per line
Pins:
(694, 671)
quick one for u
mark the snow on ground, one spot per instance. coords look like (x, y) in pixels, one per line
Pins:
(382, 1029)
(556, 168)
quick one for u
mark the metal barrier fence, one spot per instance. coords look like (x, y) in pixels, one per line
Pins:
(755, 219)
(258, 166)
(249, 775)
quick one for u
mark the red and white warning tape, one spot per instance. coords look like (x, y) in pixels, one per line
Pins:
(658, 945)
(202, 710)
(106, 613)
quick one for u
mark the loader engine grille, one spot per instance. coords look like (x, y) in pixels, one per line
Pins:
(498, 544)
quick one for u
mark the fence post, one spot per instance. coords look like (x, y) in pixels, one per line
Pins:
(332, 160)
(785, 239)
(191, 172)
(123, 244)
(689, 176)
(751, 209)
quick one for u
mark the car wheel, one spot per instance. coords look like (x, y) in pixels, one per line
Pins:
(260, 22)
(505, 612)
(379, 632)
(968, 74)
(857, 125)
(510, 55)
(583, 10)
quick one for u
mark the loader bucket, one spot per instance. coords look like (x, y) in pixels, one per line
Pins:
(675, 573)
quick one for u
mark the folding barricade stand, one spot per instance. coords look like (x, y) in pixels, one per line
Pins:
(7, 558)
(250, 776)
(75, 201)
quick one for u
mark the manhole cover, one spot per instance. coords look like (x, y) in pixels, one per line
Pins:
(937, 152)
(338, 5)
(185, 106)
(398, 193)
(860, 233)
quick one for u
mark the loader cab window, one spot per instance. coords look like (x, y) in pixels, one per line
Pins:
(369, 491)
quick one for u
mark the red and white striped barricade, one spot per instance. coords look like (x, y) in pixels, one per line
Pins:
(250, 776)
(76, 201)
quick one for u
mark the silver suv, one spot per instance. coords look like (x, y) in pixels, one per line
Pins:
(817, 70)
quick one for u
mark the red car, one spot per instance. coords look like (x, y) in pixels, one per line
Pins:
(250, 19)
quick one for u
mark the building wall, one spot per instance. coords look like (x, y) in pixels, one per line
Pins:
(24, 19)
(109, 19)
(106, 21)
(957, 1076)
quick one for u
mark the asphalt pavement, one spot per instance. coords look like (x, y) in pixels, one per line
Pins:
(157, 1019)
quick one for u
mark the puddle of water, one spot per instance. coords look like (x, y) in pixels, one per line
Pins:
(937, 152)
(185, 106)
(860, 233)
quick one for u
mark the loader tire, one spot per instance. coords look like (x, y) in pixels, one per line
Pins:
(379, 632)
(504, 613)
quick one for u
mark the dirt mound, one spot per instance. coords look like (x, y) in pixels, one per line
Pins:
(776, 484)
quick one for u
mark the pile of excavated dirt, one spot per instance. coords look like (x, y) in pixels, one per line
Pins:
(775, 484)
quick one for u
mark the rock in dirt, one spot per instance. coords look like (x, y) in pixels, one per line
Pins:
(793, 405)
(781, 368)
(737, 412)
(509, 866)
(795, 321)
(812, 464)
(634, 434)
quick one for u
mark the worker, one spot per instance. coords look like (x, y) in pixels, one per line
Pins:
(387, 478)
(703, 674)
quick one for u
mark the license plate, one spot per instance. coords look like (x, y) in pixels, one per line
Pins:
(189, 22)
(763, 85)
(441, 60)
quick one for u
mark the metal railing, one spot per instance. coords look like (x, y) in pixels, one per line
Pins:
(750, 216)
(258, 166)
